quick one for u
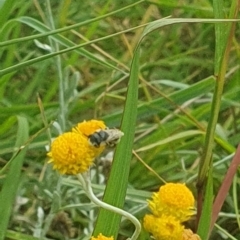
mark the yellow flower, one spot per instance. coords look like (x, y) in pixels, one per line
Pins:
(164, 227)
(173, 199)
(89, 127)
(71, 153)
(101, 237)
(189, 235)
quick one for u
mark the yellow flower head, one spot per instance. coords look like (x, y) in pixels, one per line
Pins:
(164, 227)
(89, 127)
(101, 237)
(173, 199)
(189, 235)
(71, 153)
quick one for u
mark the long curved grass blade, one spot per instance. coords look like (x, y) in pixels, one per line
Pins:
(169, 21)
(10, 185)
(108, 222)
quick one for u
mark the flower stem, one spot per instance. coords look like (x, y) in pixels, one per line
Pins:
(86, 184)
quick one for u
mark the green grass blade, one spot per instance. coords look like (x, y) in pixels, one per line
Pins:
(50, 55)
(225, 187)
(221, 34)
(108, 222)
(151, 27)
(205, 219)
(181, 135)
(51, 32)
(10, 185)
(35, 24)
(169, 21)
(5, 9)
(179, 97)
(17, 235)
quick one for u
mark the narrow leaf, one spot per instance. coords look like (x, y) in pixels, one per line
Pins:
(5, 9)
(226, 184)
(179, 97)
(205, 219)
(10, 185)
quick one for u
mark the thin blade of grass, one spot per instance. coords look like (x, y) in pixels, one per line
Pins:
(40, 27)
(23, 39)
(220, 34)
(5, 8)
(50, 55)
(17, 235)
(205, 220)
(147, 109)
(226, 184)
(151, 27)
(225, 233)
(169, 21)
(181, 135)
(10, 185)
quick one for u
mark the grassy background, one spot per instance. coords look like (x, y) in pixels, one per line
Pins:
(175, 90)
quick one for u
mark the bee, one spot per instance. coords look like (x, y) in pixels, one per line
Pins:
(105, 137)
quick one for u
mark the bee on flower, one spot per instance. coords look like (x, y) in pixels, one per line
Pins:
(74, 152)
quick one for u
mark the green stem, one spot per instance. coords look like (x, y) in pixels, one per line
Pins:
(215, 108)
(209, 141)
(86, 184)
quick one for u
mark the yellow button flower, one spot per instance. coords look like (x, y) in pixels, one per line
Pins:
(89, 127)
(173, 199)
(189, 235)
(164, 227)
(101, 237)
(71, 153)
